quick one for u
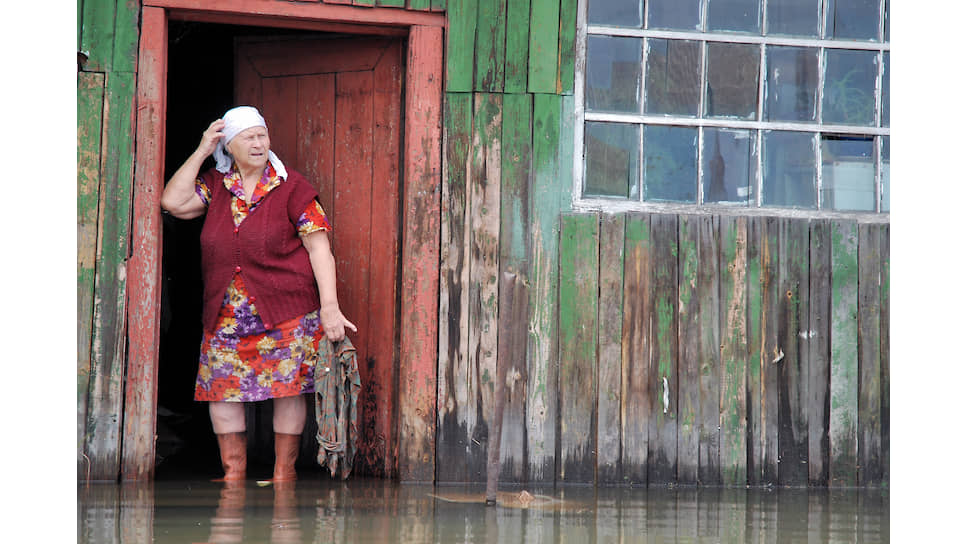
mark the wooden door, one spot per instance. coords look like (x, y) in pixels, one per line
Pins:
(332, 107)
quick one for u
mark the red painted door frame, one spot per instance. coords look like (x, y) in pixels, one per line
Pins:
(421, 221)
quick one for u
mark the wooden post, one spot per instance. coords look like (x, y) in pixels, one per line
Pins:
(144, 277)
(421, 251)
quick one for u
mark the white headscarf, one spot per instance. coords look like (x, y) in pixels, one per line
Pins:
(236, 120)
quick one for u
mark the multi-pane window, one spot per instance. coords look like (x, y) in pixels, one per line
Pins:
(752, 103)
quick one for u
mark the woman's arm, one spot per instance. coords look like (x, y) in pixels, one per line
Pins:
(324, 269)
(179, 196)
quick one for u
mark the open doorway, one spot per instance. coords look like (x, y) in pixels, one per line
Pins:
(355, 162)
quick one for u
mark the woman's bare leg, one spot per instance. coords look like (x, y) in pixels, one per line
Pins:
(289, 414)
(227, 417)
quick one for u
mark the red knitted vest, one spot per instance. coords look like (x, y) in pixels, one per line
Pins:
(265, 249)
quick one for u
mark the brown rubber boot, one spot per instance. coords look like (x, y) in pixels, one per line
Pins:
(232, 449)
(287, 450)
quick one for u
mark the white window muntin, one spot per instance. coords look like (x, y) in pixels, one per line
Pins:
(818, 128)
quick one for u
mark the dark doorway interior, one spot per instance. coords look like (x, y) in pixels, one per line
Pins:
(200, 89)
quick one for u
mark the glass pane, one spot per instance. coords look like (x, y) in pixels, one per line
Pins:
(886, 91)
(887, 21)
(611, 159)
(848, 87)
(727, 169)
(675, 14)
(615, 13)
(732, 80)
(885, 173)
(791, 85)
(672, 77)
(789, 169)
(733, 15)
(853, 19)
(793, 17)
(670, 163)
(847, 177)
(613, 72)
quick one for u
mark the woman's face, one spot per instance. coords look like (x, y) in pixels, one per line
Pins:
(250, 148)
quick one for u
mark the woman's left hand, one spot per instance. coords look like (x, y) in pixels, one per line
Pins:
(334, 323)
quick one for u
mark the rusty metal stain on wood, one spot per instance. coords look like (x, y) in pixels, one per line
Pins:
(636, 409)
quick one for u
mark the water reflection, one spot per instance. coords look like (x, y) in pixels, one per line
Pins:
(377, 511)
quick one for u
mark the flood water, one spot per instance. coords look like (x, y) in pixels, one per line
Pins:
(364, 510)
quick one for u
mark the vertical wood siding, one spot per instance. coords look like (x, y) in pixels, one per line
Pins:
(632, 348)
(713, 350)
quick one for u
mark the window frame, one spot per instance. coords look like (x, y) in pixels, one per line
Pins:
(818, 129)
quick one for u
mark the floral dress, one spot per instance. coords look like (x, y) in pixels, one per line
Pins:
(242, 360)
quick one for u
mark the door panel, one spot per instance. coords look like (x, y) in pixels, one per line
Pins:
(333, 111)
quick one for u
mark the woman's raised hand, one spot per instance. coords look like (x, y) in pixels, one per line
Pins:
(210, 137)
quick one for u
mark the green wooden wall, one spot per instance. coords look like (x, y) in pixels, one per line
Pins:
(636, 348)
(108, 46)
(652, 348)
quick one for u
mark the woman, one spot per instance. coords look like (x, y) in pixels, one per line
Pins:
(269, 284)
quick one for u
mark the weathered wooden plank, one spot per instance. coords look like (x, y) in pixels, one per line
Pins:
(567, 28)
(709, 352)
(420, 253)
(687, 450)
(636, 408)
(767, 230)
(461, 29)
(566, 151)
(353, 128)
(315, 119)
(454, 412)
(754, 354)
(484, 215)
(843, 352)
(385, 251)
(516, 52)
(793, 285)
(885, 355)
(578, 320)
(438, 5)
(90, 108)
(611, 261)
(391, 3)
(733, 358)
(542, 403)
(109, 341)
(489, 45)
(512, 376)
(543, 47)
(418, 5)
(868, 354)
(513, 294)
(817, 336)
(97, 34)
(144, 267)
(126, 29)
(663, 363)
